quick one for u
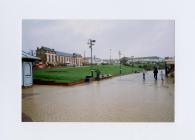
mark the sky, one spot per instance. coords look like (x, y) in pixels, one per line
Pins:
(136, 38)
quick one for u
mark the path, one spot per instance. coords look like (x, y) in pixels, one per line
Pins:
(120, 99)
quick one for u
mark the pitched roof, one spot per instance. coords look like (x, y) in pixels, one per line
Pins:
(63, 54)
(47, 49)
(60, 53)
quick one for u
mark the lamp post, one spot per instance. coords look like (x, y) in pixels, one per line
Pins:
(110, 56)
(119, 53)
(132, 62)
(91, 41)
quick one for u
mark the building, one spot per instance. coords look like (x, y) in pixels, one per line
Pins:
(50, 57)
(96, 61)
(27, 70)
(77, 59)
(150, 59)
(63, 58)
(46, 55)
(111, 61)
(170, 66)
(115, 61)
(170, 60)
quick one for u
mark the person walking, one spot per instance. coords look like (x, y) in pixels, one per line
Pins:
(155, 73)
(162, 75)
(166, 71)
(144, 75)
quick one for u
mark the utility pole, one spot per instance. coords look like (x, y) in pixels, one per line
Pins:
(84, 58)
(119, 53)
(110, 55)
(132, 62)
(90, 46)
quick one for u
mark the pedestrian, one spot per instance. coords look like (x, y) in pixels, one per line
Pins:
(144, 74)
(166, 71)
(162, 75)
(155, 73)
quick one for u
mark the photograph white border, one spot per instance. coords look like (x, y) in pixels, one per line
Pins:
(12, 12)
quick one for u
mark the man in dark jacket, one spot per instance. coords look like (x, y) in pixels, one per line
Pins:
(155, 73)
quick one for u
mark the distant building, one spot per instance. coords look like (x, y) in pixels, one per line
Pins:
(112, 61)
(170, 60)
(63, 58)
(77, 59)
(170, 66)
(47, 55)
(115, 61)
(106, 61)
(98, 61)
(55, 58)
(150, 59)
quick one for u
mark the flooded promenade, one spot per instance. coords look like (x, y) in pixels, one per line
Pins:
(126, 98)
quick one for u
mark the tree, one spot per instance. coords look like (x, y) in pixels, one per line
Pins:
(123, 60)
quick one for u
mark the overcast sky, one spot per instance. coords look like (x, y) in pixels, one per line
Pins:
(131, 37)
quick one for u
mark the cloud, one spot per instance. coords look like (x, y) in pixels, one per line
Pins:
(132, 37)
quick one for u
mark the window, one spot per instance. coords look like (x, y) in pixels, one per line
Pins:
(61, 59)
(49, 58)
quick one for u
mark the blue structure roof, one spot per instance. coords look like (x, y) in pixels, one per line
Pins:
(27, 56)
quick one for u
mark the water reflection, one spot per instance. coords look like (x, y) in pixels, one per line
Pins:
(125, 98)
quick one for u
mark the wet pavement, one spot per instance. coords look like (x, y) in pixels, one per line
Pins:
(126, 98)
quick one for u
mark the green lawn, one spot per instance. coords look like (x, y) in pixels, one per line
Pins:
(73, 74)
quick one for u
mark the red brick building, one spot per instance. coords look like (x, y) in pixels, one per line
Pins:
(55, 58)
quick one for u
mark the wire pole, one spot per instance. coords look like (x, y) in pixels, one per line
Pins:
(90, 46)
(84, 58)
(119, 53)
(110, 55)
(91, 56)
(132, 62)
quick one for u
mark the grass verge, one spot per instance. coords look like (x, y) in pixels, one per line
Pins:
(75, 74)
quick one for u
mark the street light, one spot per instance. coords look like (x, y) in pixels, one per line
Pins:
(132, 62)
(110, 56)
(119, 53)
(91, 41)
